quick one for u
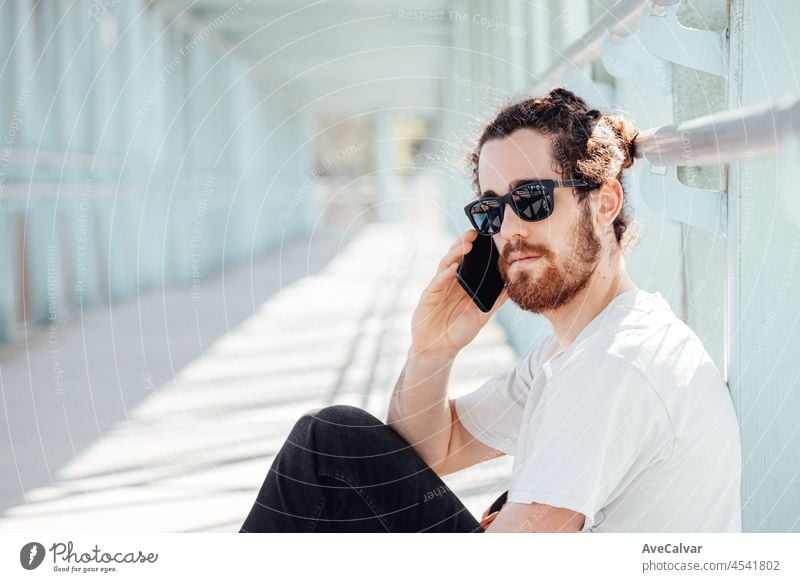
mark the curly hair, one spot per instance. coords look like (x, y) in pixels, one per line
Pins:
(585, 143)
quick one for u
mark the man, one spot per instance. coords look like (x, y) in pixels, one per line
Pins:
(618, 421)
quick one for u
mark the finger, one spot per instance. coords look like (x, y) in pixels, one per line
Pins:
(470, 234)
(466, 236)
(443, 278)
(489, 519)
(455, 254)
(459, 248)
(461, 241)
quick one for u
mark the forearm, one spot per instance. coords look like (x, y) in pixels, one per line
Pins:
(419, 409)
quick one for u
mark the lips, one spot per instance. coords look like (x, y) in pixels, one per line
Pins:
(523, 257)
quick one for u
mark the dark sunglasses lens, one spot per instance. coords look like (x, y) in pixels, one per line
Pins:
(485, 217)
(533, 203)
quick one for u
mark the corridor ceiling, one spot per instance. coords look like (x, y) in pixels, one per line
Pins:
(342, 55)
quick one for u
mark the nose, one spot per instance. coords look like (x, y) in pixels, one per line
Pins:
(512, 225)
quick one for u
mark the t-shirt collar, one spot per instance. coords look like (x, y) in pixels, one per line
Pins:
(555, 352)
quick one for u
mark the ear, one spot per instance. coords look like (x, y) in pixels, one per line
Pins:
(610, 199)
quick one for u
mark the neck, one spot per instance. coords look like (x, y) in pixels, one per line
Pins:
(609, 280)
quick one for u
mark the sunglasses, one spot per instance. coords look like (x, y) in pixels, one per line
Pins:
(531, 201)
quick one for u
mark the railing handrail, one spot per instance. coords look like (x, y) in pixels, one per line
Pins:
(746, 132)
(755, 131)
(622, 19)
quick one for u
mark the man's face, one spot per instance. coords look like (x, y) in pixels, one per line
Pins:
(566, 243)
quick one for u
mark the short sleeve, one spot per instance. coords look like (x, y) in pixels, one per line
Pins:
(493, 412)
(597, 426)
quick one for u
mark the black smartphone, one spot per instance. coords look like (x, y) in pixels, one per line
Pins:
(478, 274)
(498, 503)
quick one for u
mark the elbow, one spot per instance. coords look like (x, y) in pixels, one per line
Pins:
(437, 460)
(442, 463)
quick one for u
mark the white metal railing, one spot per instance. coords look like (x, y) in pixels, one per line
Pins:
(756, 131)
(621, 20)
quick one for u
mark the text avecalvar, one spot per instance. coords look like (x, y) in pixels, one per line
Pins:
(671, 549)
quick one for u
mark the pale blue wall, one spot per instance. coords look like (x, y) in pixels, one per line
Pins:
(764, 269)
(139, 155)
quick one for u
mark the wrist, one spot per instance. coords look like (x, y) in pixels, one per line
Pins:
(428, 357)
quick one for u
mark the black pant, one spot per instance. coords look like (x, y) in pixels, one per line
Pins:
(343, 470)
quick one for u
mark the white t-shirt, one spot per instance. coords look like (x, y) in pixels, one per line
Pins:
(632, 425)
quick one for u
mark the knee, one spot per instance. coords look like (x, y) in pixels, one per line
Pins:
(339, 429)
(335, 423)
(341, 416)
(350, 431)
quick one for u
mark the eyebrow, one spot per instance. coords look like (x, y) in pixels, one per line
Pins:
(511, 186)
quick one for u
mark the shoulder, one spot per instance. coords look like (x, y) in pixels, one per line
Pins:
(605, 368)
(607, 377)
(646, 334)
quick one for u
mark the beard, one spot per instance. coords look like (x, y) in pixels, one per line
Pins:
(556, 283)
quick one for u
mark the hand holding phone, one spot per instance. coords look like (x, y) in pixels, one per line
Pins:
(447, 318)
(478, 273)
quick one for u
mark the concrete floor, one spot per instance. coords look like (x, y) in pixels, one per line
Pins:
(164, 413)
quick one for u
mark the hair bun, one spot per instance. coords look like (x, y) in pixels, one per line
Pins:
(626, 133)
(593, 114)
(568, 97)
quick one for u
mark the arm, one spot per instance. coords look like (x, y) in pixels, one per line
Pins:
(444, 322)
(422, 414)
(536, 517)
